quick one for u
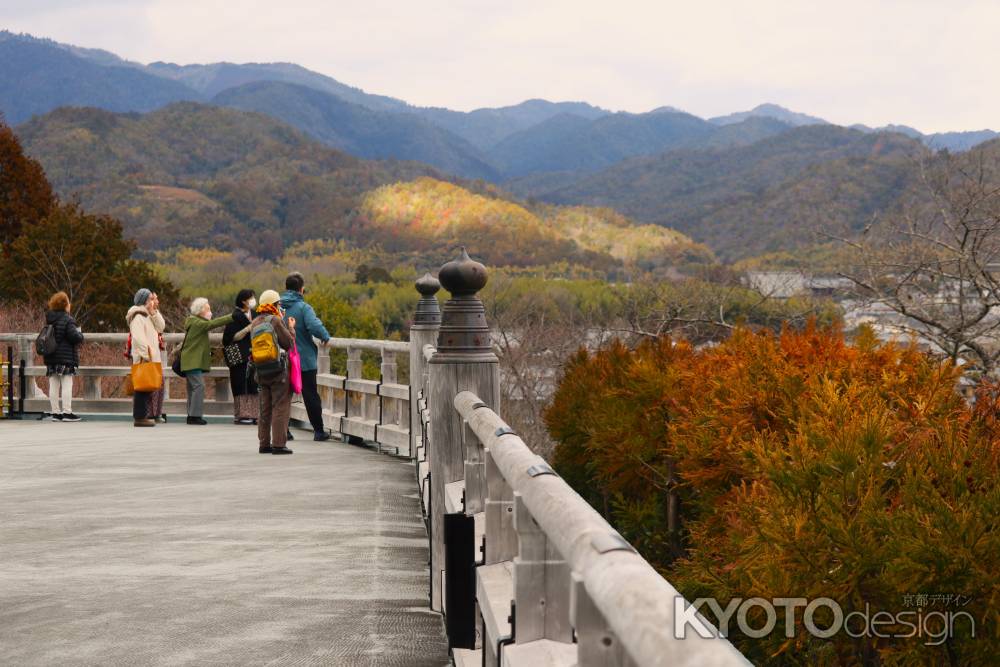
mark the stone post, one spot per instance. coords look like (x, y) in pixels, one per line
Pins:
(463, 361)
(423, 331)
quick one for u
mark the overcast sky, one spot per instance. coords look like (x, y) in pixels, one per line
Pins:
(931, 64)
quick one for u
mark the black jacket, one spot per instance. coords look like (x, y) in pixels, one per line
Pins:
(68, 339)
(240, 381)
(240, 321)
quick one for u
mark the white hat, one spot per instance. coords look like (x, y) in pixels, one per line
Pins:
(269, 296)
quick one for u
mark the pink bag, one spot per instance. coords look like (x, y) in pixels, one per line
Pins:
(295, 370)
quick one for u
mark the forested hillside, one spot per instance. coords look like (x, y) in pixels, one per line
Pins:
(210, 80)
(485, 128)
(430, 216)
(202, 176)
(569, 143)
(763, 181)
(37, 76)
(771, 195)
(358, 130)
(772, 111)
(197, 175)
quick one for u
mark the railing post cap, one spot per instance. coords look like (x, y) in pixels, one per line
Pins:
(464, 336)
(427, 285)
(463, 276)
(428, 315)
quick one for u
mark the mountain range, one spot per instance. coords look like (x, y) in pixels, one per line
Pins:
(196, 175)
(262, 155)
(781, 193)
(536, 136)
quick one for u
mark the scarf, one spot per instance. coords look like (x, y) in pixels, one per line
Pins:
(268, 309)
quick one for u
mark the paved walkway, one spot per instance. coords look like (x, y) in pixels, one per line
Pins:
(180, 545)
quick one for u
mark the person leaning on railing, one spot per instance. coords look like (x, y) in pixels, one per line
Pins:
(307, 326)
(61, 363)
(196, 355)
(145, 324)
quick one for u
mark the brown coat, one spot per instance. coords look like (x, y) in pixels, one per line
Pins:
(275, 396)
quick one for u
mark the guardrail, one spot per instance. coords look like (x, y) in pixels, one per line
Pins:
(524, 570)
(556, 580)
(374, 410)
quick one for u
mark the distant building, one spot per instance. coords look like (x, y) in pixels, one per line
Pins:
(788, 284)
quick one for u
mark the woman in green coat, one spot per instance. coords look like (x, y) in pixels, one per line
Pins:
(196, 355)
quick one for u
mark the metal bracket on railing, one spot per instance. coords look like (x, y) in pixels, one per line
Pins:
(509, 639)
(22, 387)
(605, 542)
(542, 468)
(504, 430)
(378, 397)
(426, 481)
(430, 540)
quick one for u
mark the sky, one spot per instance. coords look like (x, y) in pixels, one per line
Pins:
(930, 64)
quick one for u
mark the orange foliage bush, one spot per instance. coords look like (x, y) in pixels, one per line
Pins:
(802, 466)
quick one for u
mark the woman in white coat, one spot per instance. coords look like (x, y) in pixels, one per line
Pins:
(145, 323)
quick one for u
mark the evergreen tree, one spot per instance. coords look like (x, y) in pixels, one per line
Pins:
(25, 194)
(87, 257)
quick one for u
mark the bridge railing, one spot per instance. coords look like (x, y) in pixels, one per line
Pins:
(556, 583)
(524, 570)
(376, 410)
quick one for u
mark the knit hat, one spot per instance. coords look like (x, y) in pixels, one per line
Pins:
(268, 297)
(141, 297)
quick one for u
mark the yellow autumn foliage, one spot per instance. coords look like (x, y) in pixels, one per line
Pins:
(427, 213)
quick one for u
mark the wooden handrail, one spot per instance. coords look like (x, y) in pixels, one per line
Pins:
(376, 410)
(337, 343)
(635, 601)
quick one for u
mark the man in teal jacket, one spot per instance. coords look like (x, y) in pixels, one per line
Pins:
(307, 327)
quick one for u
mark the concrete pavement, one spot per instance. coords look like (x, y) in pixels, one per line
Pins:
(180, 545)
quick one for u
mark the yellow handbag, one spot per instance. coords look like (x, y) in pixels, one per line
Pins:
(147, 376)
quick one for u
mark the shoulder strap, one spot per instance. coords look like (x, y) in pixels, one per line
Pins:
(185, 339)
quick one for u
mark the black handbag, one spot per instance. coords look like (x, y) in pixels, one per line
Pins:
(175, 365)
(233, 355)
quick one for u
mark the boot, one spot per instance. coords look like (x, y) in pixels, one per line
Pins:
(280, 450)
(145, 422)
